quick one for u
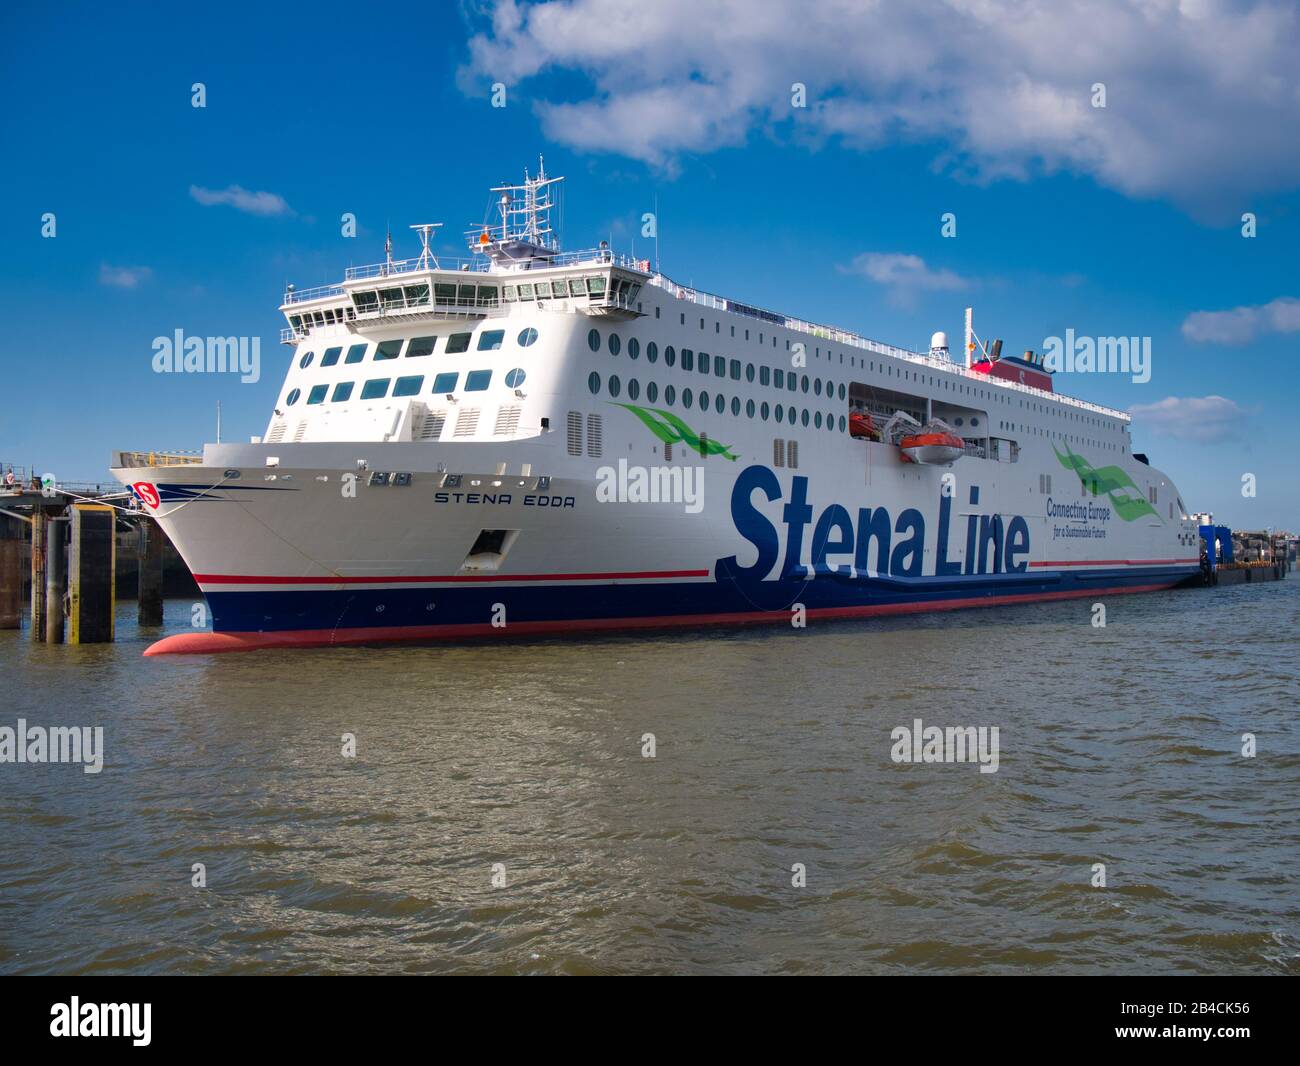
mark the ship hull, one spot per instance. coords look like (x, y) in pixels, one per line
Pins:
(316, 555)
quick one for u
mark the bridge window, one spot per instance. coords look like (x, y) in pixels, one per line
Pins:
(355, 354)
(456, 343)
(445, 383)
(420, 346)
(317, 394)
(385, 350)
(478, 380)
(490, 340)
(375, 388)
(342, 391)
(409, 386)
(331, 356)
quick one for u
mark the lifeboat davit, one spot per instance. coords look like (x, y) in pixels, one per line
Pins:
(933, 447)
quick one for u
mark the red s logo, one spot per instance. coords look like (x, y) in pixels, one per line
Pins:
(147, 493)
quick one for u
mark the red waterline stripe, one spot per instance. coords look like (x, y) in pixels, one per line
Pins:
(1114, 562)
(210, 643)
(378, 579)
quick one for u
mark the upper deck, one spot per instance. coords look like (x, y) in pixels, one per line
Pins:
(518, 264)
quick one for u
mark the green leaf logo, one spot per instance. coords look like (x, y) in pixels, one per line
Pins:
(1113, 481)
(672, 430)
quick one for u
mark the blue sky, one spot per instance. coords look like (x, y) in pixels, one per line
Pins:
(1123, 220)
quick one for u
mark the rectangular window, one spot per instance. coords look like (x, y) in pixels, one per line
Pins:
(525, 292)
(417, 295)
(596, 286)
(477, 380)
(778, 378)
(375, 388)
(576, 287)
(508, 293)
(366, 301)
(457, 342)
(490, 340)
(688, 359)
(465, 295)
(543, 290)
(342, 391)
(317, 394)
(420, 346)
(487, 296)
(391, 298)
(356, 353)
(385, 350)
(764, 375)
(444, 294)
(735, 370)
(331, 356)
(445, 383)
(409, 386)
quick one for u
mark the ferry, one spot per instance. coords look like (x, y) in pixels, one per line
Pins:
(533, 441)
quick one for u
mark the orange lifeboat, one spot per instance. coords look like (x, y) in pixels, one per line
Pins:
(862, 426)
(932, 446)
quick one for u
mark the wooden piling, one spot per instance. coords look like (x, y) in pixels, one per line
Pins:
(40, 522)
(56, 571)
(92, 580)
(149, 555)
(11, 574)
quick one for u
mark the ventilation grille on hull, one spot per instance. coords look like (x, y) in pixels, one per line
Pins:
(466, 422)
(574, 433)
(431, 428)
(507, 420)
(595, 436)
(277, 432)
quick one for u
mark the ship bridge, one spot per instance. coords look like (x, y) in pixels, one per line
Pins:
(517, 260)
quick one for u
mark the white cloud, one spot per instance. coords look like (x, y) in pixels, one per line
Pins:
(123, 277)
(1242, 325)
(1192, 418)
(904, 275)
(1200, 95)
(254, 203)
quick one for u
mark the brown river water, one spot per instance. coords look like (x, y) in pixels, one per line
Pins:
(499, 815)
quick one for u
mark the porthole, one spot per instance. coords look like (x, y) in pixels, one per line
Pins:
(651, 391)
(843, 422)
(528, 336)
(613, 385)
(614, 344)
(958, 422)
(817, 420)
(841, 396)
(720, 404)
(974, 421)
(704, 400)
(670, 394)
(778, 412)
(515, 377)
(686, 397)
(633, 389)
(593, 382)
(305, 361)
(763, 410)
(292, 398)
(652, 352)
(633, 348)
(817, 386)
(735, 405)
(749, 372)
(670, 356)
(749, 408)
(805, 416)
(804, 383)
(593, 339)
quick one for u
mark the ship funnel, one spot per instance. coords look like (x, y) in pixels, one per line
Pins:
(996, 353)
